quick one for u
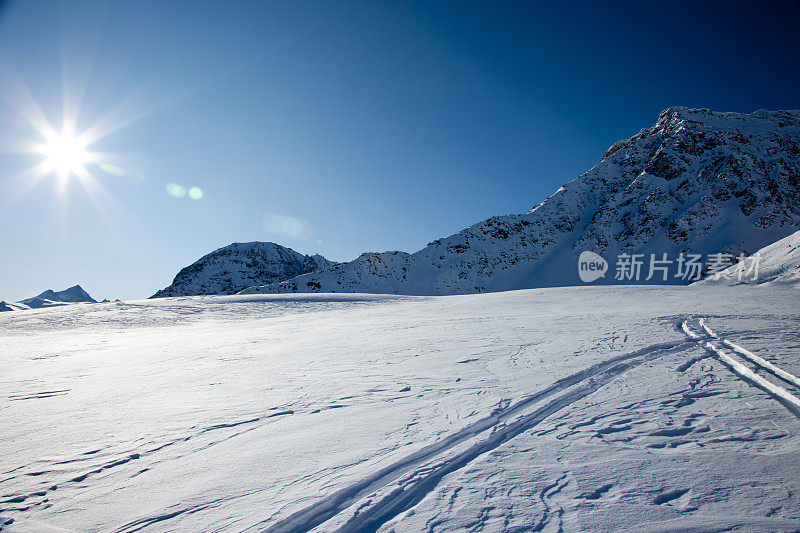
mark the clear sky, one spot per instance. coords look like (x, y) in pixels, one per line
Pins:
(336, 127)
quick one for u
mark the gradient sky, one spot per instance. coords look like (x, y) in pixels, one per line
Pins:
(371, 126)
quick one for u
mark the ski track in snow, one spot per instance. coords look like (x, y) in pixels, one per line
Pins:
(763, 363)
(784, 397)
(416, 483)
(421, 481)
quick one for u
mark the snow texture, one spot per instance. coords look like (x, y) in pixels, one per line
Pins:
(598, 408)
(779, 264)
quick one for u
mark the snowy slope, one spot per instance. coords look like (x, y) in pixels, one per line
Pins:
(779, 264)
(696, 181)
(51, 298)
(575, 409)
(241, 265)
(11, 306)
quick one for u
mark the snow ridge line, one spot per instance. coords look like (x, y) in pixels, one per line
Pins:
(784, 397)
(418, 483)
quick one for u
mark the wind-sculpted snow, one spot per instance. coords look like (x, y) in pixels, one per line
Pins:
(550, 409)
(241, 265)
(697, 181)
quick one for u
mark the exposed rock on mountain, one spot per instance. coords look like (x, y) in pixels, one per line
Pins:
(241, 265)
(697, 181)
(8, 306)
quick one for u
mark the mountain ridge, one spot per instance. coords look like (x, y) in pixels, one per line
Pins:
(50, 298)
(697, 181)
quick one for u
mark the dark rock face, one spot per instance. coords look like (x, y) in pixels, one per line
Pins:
(241, 265)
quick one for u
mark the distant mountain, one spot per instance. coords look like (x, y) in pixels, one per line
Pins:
(779, 264)
(9, 306)
(50, 298)
(241, 265)
(697, 181)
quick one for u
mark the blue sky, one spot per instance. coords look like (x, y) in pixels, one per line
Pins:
(357, 126)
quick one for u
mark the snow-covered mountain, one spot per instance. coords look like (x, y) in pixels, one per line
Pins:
(697, 181)
(11, 306)
(779, 263)
(241, 265)
(50, 298)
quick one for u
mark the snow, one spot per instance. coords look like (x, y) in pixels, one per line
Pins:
(583, 408)
(779, 393)
(779, 264)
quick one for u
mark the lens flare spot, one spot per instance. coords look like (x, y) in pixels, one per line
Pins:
(272, 222)
(112, 170)
(178, 191)
(292, 226)
(195, 193)
(296, 228)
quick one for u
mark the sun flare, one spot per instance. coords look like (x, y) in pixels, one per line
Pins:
(65, 154)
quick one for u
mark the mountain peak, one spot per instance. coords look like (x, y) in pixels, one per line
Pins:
(679, 112)
(239, 265)
(50, 298)
(75, 294)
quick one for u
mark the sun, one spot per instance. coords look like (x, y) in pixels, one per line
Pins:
(65, 154)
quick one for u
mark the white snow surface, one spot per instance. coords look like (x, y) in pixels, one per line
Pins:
(601, 408)
(779, 264)
(697, 181)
